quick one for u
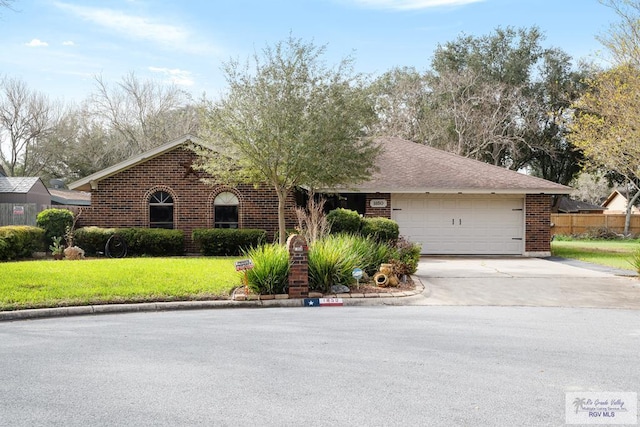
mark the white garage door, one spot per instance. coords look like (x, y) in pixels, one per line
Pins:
(461, 224)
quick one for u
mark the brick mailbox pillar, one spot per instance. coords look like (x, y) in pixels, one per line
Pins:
(299, 270)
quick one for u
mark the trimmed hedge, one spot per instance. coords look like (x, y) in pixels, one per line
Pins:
(55, 222)
(140, 241)
(20, 241)
(93, 239)
(344, 221)
(153, 241)
(380, 229)
(227, 241)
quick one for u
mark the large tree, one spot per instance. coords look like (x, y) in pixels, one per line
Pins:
(142, 114)
(606, 125)
(401, 97)
(551, 155)
(290, 120)
(622, 40)
(505, 95)
(501, 98)
(27, 121)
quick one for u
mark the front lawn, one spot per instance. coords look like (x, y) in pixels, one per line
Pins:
(612, 253)
(48, 283)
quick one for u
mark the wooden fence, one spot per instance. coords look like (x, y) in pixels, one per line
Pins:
(26, 213)
(18, 213)
(582, 223)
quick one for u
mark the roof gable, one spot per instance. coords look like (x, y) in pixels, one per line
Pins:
(614, 195)
(88, 182)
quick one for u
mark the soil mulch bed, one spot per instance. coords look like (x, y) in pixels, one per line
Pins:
(371, 288)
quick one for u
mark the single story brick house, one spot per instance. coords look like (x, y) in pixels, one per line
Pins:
(448, 203)
(160, 188)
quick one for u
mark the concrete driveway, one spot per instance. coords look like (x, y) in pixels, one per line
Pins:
(515, 281)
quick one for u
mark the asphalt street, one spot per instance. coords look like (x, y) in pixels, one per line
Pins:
(338, 366)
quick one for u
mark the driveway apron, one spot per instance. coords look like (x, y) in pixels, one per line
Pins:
(519, 281)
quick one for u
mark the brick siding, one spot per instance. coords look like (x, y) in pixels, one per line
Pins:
(377, 212)
(537, 223)
(122, 200)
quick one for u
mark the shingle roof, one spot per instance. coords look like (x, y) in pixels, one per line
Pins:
(17, 184)
(70, 197)
(408, 167)
(404, 167)
(565, 204)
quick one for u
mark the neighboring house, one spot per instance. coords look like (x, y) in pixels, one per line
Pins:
(567, 205)
(448, 203)
(21, 198)
(61, 197)
(616, 203)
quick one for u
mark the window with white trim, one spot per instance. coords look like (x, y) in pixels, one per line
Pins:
(161, 210)
(225, 210)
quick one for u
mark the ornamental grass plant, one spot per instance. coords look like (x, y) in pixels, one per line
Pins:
(270, 272)
(332, 260)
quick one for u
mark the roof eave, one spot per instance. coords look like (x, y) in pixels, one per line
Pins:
(550, 191)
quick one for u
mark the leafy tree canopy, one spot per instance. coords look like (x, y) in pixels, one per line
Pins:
(605, 125)
(290, 120)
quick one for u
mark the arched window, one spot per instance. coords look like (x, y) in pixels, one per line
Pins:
(161, 210)
(225, 207)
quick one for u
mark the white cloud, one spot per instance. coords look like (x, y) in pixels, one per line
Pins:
(68, 43)
(138, 27)
(175, 75)
(412, 4)
(37, 43)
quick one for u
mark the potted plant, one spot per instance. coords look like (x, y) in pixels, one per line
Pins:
(57, 248)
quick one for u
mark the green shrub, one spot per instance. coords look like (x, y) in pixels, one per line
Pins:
(380, 229)
(344, 221)
(406, 257)
(371, 253)
(4, 248)
(20, 241)
(635, 260)
(270, 274)
(153, 241)
(54, 222)
(227, 241)
(140, 241)
(93, 239)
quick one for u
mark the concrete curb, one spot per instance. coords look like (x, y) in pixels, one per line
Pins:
(398, 298)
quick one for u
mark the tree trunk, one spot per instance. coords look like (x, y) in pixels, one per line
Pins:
(282, 227)
(630, 204)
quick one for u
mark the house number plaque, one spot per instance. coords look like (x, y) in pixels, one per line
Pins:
(378, 203)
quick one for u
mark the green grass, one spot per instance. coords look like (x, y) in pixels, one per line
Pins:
(48, 283)
(612, 253)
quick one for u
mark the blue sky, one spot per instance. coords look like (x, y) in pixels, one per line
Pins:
(56, 46)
